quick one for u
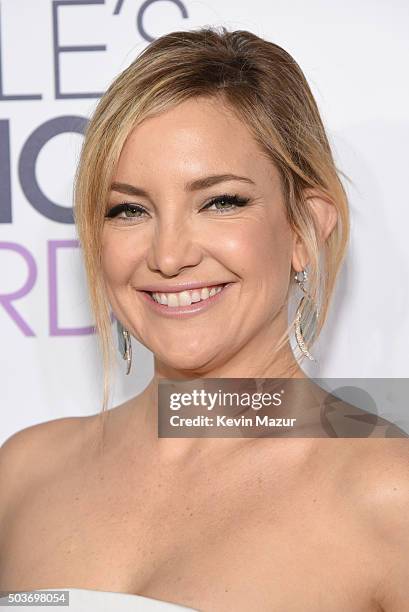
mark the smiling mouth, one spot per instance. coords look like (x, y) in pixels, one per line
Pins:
(185, 298)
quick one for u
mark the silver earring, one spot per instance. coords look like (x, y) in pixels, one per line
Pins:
(124, 345)
(306, 303)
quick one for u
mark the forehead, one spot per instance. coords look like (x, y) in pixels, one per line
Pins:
(196, 137)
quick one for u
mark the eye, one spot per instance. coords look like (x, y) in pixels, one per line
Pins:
(131, 211)
(226, 203)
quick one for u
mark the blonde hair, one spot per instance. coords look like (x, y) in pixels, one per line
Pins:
(265, 86)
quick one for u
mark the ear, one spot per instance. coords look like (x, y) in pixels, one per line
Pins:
(326, 217)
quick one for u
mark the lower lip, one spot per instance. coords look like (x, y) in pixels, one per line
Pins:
(185, 311)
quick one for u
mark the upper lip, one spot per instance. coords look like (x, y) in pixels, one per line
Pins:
(186, 286)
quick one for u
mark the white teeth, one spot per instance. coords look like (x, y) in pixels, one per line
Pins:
(173, 299)
(195, 296)
(185, 298)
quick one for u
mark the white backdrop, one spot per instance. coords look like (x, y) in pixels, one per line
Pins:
(57, 56)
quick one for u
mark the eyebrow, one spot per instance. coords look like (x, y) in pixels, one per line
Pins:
(196, 185)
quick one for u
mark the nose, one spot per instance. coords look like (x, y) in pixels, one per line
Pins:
(174, 247)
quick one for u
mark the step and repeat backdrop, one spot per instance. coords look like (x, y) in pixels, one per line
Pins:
(56, 59)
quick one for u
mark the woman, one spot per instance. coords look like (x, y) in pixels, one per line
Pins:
(206, 197)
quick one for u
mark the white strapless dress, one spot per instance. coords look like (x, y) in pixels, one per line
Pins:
(87, 600)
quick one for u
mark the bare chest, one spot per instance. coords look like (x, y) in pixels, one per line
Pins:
(237, 541)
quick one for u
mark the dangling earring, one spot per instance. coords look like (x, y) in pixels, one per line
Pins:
(305, 302)
(124, 345)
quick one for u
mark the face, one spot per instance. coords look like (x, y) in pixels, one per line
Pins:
(195, 202)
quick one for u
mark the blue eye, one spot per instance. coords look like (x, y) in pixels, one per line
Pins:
(223, 204)
(135, 211)
(233, 202)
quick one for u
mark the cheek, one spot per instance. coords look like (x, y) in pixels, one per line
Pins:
(118, 257)
(258, 250)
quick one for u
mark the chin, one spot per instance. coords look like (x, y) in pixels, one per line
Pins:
(191, 361)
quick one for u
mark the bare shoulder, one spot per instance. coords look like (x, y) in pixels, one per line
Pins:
(34, 451)
(40, 452)
(45, 447)
(381, 476)
(379, 489)
(38, 439)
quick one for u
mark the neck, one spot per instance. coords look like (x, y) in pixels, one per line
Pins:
(256, 360)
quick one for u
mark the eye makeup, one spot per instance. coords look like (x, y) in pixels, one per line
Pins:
(137, 211)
